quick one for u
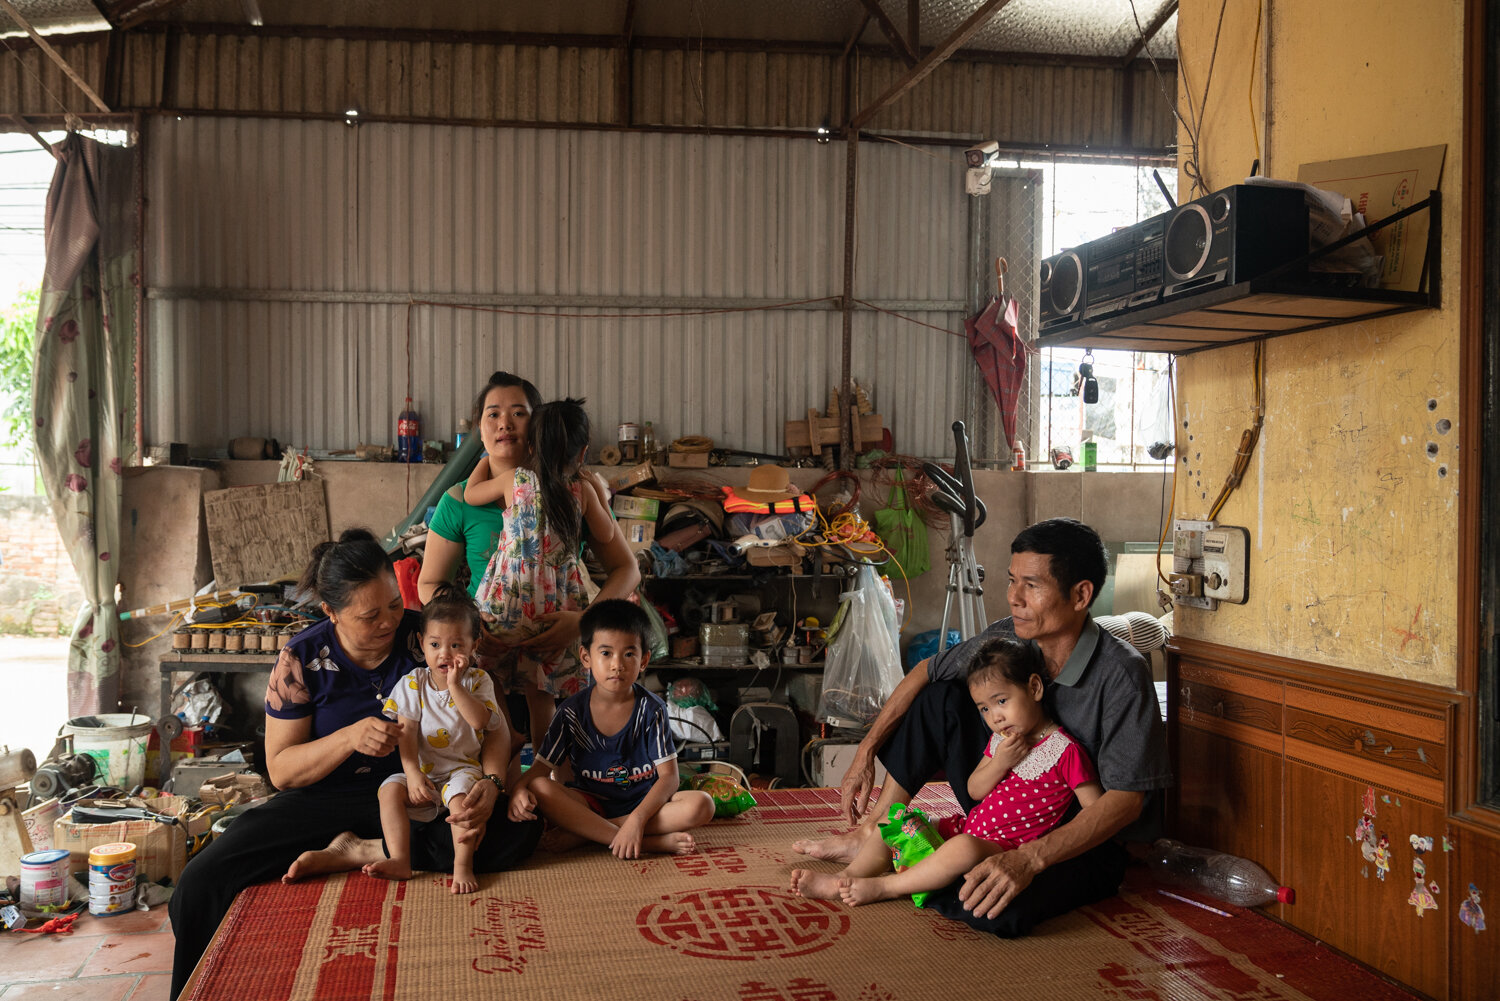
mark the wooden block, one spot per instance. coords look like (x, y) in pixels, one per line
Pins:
(687, 460)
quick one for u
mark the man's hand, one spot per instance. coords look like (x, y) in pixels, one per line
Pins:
(991, 885)
(373, 736)
(474, 809)
(854, 791)
(522, 806)
(562, 629)
(627, 842)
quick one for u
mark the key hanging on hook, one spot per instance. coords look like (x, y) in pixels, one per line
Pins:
(1086, 377)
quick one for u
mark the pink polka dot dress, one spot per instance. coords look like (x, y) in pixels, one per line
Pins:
(1032, 798)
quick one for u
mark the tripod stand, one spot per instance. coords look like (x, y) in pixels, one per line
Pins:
(954, 493)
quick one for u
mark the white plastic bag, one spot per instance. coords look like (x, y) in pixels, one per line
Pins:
(864, 663)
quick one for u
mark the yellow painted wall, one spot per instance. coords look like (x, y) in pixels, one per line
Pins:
(1353, 527)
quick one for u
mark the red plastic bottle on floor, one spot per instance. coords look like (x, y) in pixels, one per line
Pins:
(1227, 877)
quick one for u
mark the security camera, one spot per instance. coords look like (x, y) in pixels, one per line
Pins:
(979, 156)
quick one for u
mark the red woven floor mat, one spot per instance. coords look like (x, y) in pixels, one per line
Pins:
(719, 925)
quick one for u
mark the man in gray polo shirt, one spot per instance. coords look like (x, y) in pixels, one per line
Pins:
(1099, 688)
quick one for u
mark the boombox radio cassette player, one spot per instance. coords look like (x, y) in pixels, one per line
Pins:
(1225, 238)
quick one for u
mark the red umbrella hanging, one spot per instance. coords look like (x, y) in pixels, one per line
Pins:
(1000, 352)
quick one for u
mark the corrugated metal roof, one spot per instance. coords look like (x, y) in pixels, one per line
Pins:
(281, 255)
(1078, 28)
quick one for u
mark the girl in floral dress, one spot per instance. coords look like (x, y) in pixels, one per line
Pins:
(534, 575)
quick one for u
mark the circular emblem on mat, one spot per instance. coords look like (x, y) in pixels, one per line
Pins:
(742, 923)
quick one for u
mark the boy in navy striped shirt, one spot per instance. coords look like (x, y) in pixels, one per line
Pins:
(617, 739)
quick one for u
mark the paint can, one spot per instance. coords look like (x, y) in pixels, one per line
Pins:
(44, 879)
(112, 879)
(628, 435)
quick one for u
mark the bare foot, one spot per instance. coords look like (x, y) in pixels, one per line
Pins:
(856, 890)
(346, 851)
(676, 843)
(389, 868)
(822, 885)
(839, 848)
(464, 880)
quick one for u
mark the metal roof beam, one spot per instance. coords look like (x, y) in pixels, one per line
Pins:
(1152, 30)
(888, 28)
(931, 61)
(53, 55)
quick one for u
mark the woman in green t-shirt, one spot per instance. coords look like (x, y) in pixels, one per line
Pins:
(460, 531)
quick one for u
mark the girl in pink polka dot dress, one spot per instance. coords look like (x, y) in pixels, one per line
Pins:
(1030, 773)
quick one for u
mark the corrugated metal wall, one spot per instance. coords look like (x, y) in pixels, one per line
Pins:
(282, 254)
(453, 80)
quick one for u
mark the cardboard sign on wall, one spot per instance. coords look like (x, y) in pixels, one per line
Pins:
(265, 531)
(1379, 186)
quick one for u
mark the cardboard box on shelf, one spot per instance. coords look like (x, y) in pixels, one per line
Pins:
(645, 508)
(687, 460)
(639, 533)
(161, 848)
(633, 477)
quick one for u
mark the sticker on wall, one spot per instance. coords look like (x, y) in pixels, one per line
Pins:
(1385, 798)
(1364, 831)
(1470, 913)
(1382, 856)
(1423, 897)
(1448, 843)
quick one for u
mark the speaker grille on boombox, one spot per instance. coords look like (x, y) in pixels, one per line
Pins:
(1232, 236)
(1061, 290)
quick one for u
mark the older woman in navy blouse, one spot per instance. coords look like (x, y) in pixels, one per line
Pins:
(328, 748)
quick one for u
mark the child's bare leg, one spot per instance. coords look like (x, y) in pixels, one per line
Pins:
(397, 830)
(464, 879)
(568, 809)
(952, 859)
(540, 706)
(872, 859)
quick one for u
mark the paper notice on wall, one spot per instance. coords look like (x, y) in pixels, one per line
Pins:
(1379, 186)
(266, 531)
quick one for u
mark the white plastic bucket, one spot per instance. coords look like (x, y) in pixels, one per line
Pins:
(116, 742)
(39, 820)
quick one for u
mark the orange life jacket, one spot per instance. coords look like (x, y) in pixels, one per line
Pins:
(735, 504)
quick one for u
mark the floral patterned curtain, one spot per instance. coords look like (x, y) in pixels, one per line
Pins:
(84, 371)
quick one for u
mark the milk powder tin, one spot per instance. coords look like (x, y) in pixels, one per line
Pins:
(112, 879)
(44, 879)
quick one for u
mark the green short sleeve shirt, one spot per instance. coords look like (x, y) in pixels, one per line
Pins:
(477, 529)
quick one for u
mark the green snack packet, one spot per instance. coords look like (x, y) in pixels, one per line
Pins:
(911, 838)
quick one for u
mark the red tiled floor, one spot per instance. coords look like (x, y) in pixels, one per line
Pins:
(45, 957)
(154, 987)
(116, 924)
(93, 989)
(143, 952)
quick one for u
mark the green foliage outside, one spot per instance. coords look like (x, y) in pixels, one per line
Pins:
(17, 356)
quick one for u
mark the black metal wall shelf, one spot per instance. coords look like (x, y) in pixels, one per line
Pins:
(1289, 300)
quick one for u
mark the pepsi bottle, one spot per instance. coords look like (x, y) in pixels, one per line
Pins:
(408, 435)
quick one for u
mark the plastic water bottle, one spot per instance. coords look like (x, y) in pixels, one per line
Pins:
(408, 435)
(1227, 877)
(463, 432)
(648, 443)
